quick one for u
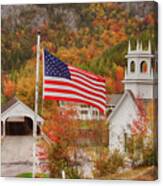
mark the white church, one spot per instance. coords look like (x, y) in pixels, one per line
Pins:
(140, 81)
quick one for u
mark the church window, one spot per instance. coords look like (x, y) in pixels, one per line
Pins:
(132, 66)
(143, 67)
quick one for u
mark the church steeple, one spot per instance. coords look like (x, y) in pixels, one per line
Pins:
(140, 75)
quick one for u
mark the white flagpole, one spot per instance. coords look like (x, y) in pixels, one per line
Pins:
(43, 61)
(36, 105)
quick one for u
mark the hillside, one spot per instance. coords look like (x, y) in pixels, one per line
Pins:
(91, 36)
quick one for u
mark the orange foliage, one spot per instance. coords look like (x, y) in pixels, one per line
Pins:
(60, 127)
(119, 73)
(105, 36)
(149, 19)
(8, 87)
(34, 49)
(116, 27)
(25, 86)
(118, 86)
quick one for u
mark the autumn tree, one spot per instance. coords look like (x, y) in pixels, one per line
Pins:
(144, 132)
(62, 131)
(8, 87)
(140, 124)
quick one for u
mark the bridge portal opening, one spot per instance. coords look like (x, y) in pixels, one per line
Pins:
(19, 126)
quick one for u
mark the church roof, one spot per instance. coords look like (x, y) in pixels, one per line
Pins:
(113, 99)
(117, 99)
(120, 100)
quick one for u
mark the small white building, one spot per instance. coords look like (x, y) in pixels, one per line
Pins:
(140, 82)
(16, 115)
(83, 111)
(17, 121)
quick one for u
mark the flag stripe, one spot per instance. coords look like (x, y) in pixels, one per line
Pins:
(75, 74)
(74, 98)
(66, 82)
(91, 90)
(87, 74)
(84, 95)
(74, 89)
(80, 81)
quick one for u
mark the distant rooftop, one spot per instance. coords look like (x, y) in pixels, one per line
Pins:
(113, 99)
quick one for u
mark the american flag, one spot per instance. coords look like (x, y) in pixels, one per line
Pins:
(67, 83)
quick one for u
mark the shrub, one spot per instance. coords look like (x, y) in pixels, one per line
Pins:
(58, 161)
(109, 165)
(149, 156)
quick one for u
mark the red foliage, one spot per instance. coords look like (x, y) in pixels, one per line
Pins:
(52, 134)
(139, 126)
(59, 126)
(34, 49)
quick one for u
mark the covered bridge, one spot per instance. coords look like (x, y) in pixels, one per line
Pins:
(17, 118)
(17, 121)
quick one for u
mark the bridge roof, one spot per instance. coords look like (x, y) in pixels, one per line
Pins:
(16, 108)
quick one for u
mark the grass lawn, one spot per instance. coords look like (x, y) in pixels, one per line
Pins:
(29, 175)
(141, 173)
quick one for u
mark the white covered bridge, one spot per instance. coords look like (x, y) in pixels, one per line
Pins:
(17, 121)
